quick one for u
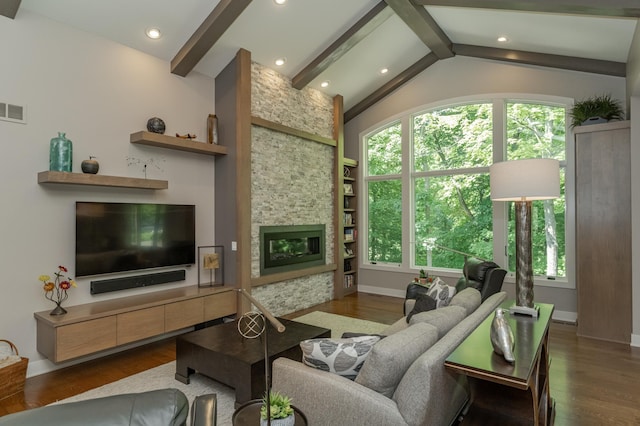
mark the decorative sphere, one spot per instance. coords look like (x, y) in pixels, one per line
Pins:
(155, 125)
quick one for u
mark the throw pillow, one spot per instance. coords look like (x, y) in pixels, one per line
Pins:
(390, 358)
(441, 292)
(340, 356)
(424, 303)
(350, 334)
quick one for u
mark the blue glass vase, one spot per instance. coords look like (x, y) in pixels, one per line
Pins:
(60, 154)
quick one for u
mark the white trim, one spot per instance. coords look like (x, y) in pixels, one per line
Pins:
(381, 291)
(635, 340)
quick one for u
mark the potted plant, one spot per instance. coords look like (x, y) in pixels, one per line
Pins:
(597, 109)
(423, 276)
(280, 410)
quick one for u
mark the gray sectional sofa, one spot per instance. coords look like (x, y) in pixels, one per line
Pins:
(403, 380)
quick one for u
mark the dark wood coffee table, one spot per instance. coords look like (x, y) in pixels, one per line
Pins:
(221, 353)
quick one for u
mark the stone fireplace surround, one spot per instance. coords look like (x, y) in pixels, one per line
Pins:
(292, 181)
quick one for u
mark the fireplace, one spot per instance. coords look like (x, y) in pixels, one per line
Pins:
(287, 248)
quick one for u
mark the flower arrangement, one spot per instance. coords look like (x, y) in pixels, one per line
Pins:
(56, 290)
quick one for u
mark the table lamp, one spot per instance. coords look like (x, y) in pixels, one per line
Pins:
(523, 181)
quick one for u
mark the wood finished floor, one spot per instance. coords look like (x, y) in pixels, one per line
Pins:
(592, 382)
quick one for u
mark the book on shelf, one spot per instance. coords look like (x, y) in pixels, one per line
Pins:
(349, 234)
(348, 219)
(348, 281)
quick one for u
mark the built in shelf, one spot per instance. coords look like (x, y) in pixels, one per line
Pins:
(48, 177)
(179, 144)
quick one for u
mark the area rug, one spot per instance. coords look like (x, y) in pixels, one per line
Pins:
(340, 324)
(163, 376)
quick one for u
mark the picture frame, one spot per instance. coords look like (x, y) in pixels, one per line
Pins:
(210, 266)
(348, 188)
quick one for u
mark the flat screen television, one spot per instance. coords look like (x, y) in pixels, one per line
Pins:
(118, 237)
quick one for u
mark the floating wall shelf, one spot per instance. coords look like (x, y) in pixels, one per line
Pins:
(179, 144)
(48, 177)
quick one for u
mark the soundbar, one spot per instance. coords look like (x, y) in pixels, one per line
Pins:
(116, 284)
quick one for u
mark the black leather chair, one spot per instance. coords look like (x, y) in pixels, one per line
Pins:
(485, 276)
(164, 407)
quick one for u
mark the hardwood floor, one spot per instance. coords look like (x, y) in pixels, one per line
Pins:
(592, 382)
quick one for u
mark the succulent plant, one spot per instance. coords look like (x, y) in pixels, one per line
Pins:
(280, 406)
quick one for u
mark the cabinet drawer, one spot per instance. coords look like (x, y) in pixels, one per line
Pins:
(220, 305)
(84, 338)
(183, 314)
(140, 324)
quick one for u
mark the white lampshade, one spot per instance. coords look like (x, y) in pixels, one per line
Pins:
(531, 179)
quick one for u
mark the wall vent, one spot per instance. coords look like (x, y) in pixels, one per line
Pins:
(13, 113)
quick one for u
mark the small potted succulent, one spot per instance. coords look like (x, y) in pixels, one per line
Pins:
(423, 276)
(280, 410)
(597, 109)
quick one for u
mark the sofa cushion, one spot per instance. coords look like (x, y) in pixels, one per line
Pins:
(441, 292)
(469, 298)
(390, 358)
(397, 326)
(339, 356)
(443, 319)
(424, 303)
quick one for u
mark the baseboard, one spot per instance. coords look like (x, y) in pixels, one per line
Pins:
(560, 316)
(381, 291)
(635, 340)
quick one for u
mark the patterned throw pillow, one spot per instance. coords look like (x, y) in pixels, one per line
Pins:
(441, 292)
(340, 356)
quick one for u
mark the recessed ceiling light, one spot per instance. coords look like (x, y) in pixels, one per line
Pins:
(324, 84)
(384, 70)
(280, 61)
(279, 1)
(153, 33)
(503, 39)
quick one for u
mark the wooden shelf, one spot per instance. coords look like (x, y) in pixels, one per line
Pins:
(179, 144)
(48, 177)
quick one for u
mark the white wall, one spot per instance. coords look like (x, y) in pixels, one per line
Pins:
(461, 77)
(98, 92)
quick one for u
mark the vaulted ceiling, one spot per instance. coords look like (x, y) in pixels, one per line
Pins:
(348, 42)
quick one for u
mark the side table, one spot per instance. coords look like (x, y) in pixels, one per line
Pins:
(504, 393)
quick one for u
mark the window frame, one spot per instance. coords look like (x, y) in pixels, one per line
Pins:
(500, 213)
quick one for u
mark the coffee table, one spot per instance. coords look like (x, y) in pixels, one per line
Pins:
(221, 353)
(504, 393)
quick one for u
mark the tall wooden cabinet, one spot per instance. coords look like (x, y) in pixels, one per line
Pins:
(603, 230)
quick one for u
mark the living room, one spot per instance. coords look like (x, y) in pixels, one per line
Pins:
(99, 92)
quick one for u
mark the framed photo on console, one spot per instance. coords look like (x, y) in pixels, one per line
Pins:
(210, 266)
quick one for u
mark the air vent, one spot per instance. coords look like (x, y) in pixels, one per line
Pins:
(13, 113)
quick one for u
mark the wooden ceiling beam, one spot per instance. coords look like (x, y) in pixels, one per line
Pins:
(595, 66)
(423, 25)
(9, 8)
(361, 29)
(621, 8)
(207, 34)
(392, 85)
